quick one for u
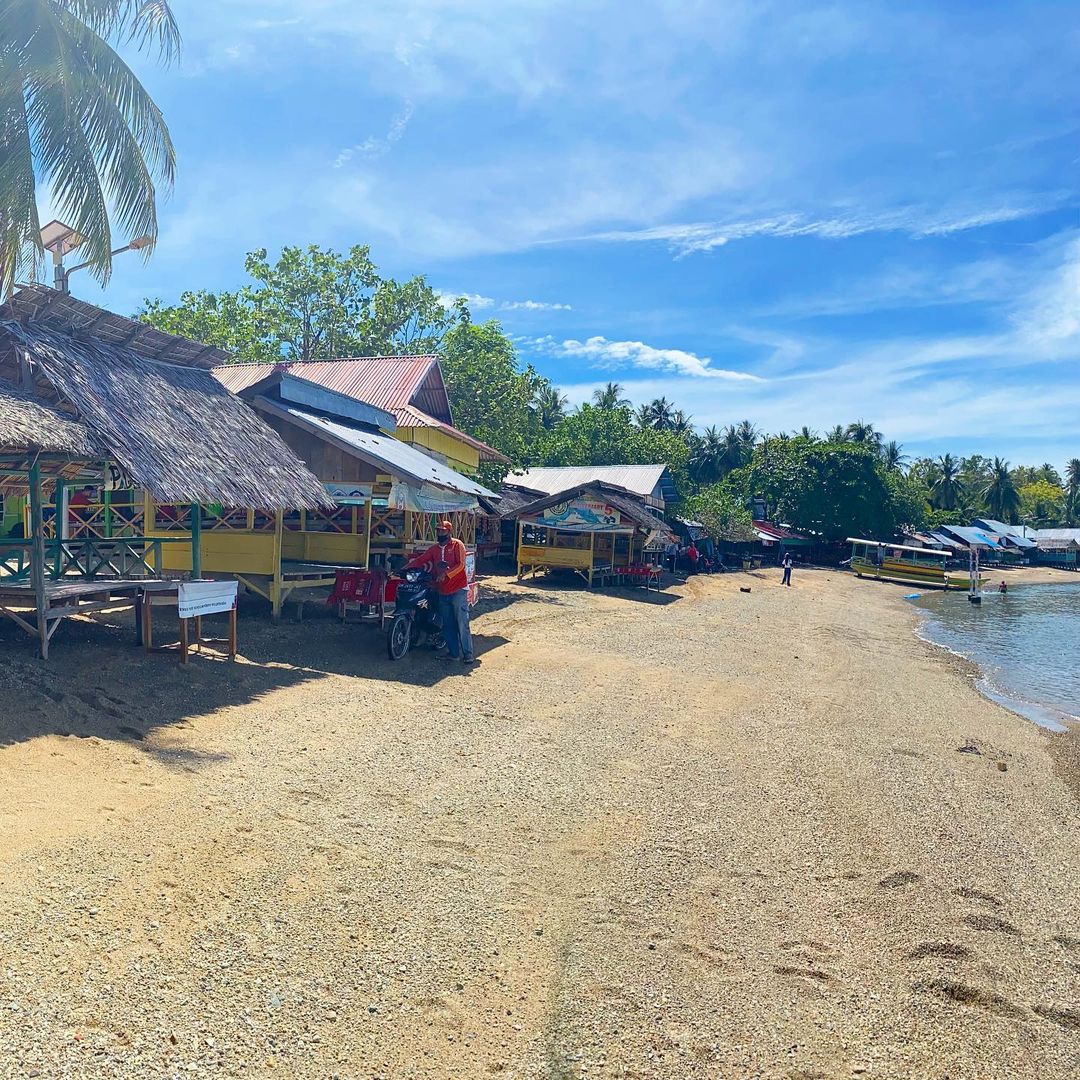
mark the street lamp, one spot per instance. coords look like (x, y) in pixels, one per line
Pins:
(61, 239)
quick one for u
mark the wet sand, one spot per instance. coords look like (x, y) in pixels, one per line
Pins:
(712, 833)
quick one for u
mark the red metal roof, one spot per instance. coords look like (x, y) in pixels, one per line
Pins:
(778, 532)
(410, 387)
(387, 382)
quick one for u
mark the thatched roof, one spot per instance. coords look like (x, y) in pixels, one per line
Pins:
(57, 311)
(173, 429)
(26, 421)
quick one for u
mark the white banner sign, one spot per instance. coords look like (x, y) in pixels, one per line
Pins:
(206, 597)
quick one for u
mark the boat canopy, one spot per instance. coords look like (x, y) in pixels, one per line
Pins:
(899, 547)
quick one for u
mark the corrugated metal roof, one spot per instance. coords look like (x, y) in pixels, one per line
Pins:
(411, 388)
(384, 451)
(1056, 534)
(970, 536)
(641, 480)
(387, 382)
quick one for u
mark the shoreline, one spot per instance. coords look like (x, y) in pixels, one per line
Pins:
(1061, 729)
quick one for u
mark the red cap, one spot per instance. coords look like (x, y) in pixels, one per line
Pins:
(445, 525)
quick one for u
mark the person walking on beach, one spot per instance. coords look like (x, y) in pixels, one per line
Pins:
(787, 569)
(446, 558)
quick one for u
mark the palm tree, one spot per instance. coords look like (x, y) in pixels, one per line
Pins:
(892, 454)
(1072, 490)
(707, 459)
(658, 414)
(680, 423)
(748, 435)
(808, 434)
(946, 490)
(1001, 497)
(1047, 472)
(74, 118)
(734, 452)
(862, 432)
(550, 405)
(611, 397)
(836, 434)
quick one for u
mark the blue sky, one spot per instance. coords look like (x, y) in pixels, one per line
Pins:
(794, 212)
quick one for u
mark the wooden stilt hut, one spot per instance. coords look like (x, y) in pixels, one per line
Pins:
(597, 530)
(89, 397)
(386, 495)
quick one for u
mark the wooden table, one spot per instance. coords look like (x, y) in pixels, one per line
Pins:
(167, 594)
(63, 598)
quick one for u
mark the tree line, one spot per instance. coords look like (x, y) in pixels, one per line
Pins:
(314, 304)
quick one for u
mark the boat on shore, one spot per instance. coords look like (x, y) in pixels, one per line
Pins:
(906, 565)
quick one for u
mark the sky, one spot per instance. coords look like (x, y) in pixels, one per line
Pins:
(800, 213)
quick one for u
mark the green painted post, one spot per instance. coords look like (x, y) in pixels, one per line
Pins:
(196, 541)
(37, 558)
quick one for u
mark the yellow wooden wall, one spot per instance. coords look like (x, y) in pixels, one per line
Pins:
(459, 455)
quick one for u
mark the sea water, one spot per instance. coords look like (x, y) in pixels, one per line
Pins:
(1026, 643)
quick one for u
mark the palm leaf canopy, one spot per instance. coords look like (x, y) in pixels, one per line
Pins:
(74, 117)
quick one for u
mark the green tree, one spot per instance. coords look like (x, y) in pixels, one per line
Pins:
(492, 397)
(1042, 503)
(593, 436)
(1072, 481)
(707, 457)
(225, 319)
(722, 512)
(550, 405)
(833, 490)
(658, 414)
(892, 453)
(862, 432)
(75, 119)
(946, 487)
(611, 397)
(1000, 494)
(313, 304)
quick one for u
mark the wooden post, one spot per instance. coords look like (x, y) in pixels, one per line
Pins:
(592, 555)
(196, 541)
(276, 583)
(37, 559)
(367, 534)
(520, 537)
(183, 641)
(232, 633)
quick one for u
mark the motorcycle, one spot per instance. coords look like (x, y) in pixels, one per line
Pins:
(416, 615)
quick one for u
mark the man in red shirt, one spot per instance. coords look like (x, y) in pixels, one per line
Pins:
(446, 561)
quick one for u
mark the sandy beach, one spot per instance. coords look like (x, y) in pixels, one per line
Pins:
(710, 833)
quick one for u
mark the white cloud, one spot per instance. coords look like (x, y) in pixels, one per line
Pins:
(636, 354)
(533, 305)
(475, 301)
(376, 146)
(916, 222)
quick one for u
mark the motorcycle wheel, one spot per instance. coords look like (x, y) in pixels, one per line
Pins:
(399, 637)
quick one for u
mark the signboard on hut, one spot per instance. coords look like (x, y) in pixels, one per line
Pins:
(585, 515)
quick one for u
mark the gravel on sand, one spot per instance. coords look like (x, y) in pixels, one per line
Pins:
(702, 834)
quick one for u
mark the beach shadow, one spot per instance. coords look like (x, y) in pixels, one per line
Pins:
(98, 684)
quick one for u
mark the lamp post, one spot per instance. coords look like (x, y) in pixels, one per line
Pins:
(60, 239)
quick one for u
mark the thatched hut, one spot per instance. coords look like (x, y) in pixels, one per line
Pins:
(87, 395)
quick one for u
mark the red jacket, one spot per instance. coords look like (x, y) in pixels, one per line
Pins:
(447, 566)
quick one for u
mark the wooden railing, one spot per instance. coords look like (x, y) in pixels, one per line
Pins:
(88, 557)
